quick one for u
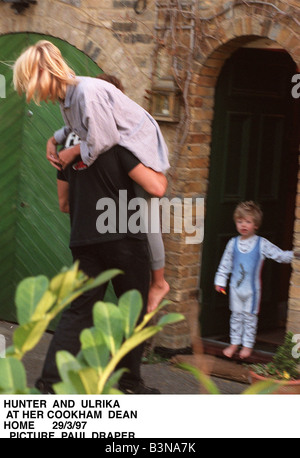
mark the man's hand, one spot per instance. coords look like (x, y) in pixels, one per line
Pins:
(52, 153)
(68, 155)
(297, 254)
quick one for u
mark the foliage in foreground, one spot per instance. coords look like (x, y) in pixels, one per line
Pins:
(284, 365)
(114, 334)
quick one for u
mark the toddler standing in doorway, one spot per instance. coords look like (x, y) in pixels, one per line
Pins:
(243, 259)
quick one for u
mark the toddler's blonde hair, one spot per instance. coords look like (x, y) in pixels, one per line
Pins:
(42, 74)
(249, 208)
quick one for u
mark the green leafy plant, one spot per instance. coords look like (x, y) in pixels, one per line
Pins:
(283, 365)
(114, 334)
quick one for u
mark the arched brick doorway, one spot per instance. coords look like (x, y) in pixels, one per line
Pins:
(254, 155)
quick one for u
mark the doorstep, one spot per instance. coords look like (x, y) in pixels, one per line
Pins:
(215, 347)
(215, 366)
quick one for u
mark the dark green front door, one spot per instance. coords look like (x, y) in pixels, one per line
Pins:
(254, 157)
(34, 234)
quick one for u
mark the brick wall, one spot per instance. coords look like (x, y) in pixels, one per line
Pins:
(294, 293)
(123, 42)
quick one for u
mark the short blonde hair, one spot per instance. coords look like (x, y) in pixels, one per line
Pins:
(42, 74)
(249, 208)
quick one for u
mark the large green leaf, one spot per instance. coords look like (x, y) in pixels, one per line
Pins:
(64, 388)
(12, 376)
(170, 318)
(101, 279)
(85, 380)
(94, 348)
(112, 381)
(148, 317)
(63, 284)
(136, 339)
(128, 345)
(66, 362)
(27, 336)
(43, 306)
(86, 285)
(28, 294)
(108, 318)
(130, 304)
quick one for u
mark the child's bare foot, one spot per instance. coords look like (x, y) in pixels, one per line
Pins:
(230, 351)
(156, 294)
(245, 352)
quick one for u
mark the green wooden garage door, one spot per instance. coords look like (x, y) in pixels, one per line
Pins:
(34, 235)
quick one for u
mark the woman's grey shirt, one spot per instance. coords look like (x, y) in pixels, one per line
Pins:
(103, 116)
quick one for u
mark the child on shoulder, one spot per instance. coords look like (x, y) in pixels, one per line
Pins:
(159, 287)
(100, 114)
(243, 259)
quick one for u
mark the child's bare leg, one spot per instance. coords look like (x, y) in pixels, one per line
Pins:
(158, 289)
(230, 351)
(245, 352)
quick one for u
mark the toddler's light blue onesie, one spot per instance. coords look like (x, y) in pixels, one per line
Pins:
(244, 259)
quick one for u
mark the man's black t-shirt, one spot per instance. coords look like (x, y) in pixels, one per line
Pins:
(99, 197)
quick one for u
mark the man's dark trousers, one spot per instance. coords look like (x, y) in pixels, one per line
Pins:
(130, 255)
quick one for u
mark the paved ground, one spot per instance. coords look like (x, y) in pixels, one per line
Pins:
(166, 376)
(171, 380)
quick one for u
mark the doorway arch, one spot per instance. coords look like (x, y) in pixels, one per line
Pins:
(34, 235)
(250, 160)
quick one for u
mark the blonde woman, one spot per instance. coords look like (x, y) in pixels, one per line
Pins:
(98, 112)
(101, 115)
(42, 74)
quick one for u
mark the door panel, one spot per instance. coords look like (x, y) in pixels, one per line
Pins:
(252, 158)
(270, 149)
(235, 157)
(34, 234)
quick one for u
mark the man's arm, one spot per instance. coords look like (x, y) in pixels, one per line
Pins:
(68, 155)
(65, 157)
(63, 196)
(155, 183)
